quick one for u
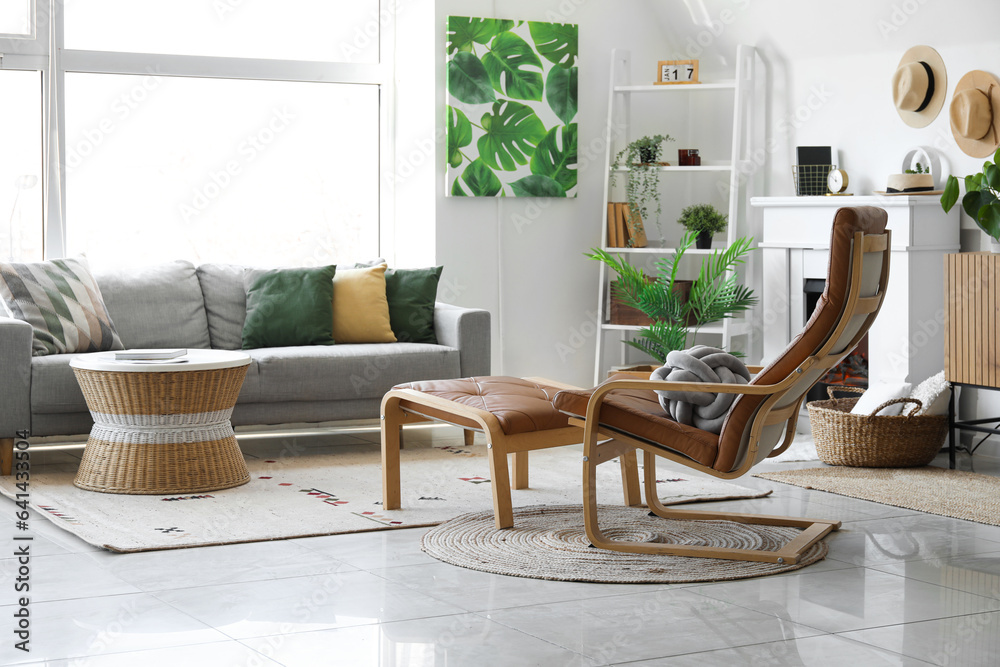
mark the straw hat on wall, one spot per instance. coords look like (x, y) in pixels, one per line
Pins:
(975, 113)
(919, 86)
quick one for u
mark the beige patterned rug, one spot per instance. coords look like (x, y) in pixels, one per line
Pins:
(953, 493)
(327, 494)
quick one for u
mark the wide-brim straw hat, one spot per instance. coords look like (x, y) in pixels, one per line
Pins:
(975, 113)
(919, 86)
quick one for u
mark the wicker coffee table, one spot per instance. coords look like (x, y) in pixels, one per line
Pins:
(161, 428)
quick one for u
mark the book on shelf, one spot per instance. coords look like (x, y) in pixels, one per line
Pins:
(625, 229)
(149, 355)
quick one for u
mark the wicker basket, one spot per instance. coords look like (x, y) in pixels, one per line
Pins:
(872, 441)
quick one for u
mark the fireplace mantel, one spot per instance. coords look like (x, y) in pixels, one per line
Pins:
(906, 343)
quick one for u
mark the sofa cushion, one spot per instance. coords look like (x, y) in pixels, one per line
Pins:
(62, 303)
(360, 308)
(157, 306)
(411, 294)
(289, 307)
(225, 304)
(340, 372)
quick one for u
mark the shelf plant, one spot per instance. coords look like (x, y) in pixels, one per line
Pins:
(642, 187)
(982, 197)
(715, 294)
(704, 220)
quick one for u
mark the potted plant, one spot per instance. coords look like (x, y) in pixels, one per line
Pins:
(714, 295)
(642, 187)
(981, 200)
(704, 221)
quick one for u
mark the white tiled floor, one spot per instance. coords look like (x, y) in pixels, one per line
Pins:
(899, 588)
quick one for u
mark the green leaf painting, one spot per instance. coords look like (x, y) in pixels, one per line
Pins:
(468, 80)
(555, 156)
(511, 108)
(560, 92)
(512, 133)
(512, 66)
(556, 42)
(459, 136)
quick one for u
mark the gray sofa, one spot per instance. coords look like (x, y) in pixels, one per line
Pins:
(180, 305)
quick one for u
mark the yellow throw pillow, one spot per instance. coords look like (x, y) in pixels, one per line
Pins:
(360, 309)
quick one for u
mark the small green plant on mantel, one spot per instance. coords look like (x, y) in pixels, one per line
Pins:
(715, 294)
(919, 170)
(982, 197)
(704, 220)
(642, 187)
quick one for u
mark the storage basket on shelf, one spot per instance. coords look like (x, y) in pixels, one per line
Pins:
(873, 441)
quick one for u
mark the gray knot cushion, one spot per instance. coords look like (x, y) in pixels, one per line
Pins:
(703, 409)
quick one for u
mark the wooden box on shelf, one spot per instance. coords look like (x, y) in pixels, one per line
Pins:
(972, 326)
(627, 315)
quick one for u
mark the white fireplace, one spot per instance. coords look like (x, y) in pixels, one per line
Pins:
(906, 342)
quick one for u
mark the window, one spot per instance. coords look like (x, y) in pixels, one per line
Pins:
(244, 131)
(15, 17)
(322, 30)
(21, 166)
(222, 170)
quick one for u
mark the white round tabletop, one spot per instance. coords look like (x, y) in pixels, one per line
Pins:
(192, 360)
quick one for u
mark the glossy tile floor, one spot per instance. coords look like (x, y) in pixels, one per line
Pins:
(899, 588)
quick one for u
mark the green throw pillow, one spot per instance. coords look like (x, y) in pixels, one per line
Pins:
(289, 307)
(411, 294)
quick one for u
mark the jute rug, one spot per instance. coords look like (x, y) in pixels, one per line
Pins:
(307, 495)
(550, 543)
(953, 493)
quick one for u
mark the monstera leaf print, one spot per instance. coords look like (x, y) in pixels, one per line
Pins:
(512, 132)
(537, 186)
(481, 180)
(556, 159)
(514, 69)
(556, 42)
(560, 92)
(464, 32)
(459, 135)
(511, 109)
(468, 80)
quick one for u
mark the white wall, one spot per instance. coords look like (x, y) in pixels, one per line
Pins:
(828, 71)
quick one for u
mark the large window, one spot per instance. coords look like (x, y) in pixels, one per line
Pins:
(240, 131)
(253, 172)
(325, 30)
(15, 17)
(21, 165)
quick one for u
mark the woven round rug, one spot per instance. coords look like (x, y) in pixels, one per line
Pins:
(549, 542)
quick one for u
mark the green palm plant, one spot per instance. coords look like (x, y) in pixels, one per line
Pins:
(715, 295)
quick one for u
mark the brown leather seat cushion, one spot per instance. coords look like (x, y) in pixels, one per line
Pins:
(638, 413)
(521, 406)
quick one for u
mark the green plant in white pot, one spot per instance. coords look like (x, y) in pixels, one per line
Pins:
(982, 198)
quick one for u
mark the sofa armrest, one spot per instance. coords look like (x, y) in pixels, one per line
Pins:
(15, 376)
(468, 330)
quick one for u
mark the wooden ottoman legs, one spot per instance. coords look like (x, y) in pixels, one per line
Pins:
(403, 406)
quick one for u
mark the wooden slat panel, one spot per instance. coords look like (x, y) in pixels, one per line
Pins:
(972, 325)
(949, 317)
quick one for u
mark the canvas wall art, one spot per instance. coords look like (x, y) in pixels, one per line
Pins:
(511, 108)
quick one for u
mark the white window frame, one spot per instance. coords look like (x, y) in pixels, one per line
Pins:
(34, 53)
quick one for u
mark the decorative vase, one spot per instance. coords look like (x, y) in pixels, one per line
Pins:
(704, 241)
